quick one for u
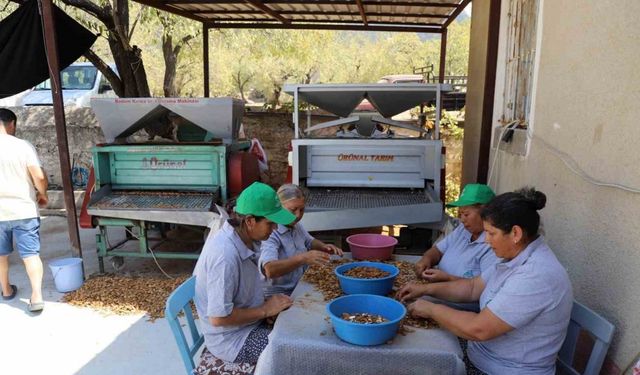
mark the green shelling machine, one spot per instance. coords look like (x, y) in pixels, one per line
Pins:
(151, 185)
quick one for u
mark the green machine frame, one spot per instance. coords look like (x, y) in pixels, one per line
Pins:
(151, 170)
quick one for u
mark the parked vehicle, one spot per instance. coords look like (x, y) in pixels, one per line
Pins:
(80, 82)
(14, 100)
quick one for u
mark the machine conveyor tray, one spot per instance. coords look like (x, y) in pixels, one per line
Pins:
(189, 208)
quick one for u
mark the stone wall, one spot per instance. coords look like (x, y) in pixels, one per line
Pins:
(36, 125)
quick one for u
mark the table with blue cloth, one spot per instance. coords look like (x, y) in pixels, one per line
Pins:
(303, 342)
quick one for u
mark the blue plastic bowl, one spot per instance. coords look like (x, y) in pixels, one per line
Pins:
(366, 334)
(353, 285)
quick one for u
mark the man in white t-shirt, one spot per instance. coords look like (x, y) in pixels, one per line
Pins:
(23, 186)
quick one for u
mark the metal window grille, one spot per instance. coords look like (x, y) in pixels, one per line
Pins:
(521, 51)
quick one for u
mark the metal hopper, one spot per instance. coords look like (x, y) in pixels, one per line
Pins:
(120, 118)
(388, 99)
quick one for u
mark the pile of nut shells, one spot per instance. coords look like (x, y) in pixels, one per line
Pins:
(125, 295)
(364, 318)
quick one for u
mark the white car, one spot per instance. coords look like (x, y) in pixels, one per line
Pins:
(80, 83)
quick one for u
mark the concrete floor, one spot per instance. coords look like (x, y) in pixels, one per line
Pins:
(66, 340)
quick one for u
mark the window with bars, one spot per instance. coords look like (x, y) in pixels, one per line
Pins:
(521, 52)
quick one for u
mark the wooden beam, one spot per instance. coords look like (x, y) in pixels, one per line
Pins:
(311, 2)
(51, 48)
(362, 13)
(172, 9)
(268, 21)
(456, 13)
(258, 4)
(205, 58)
(311, 13)
(309, 26)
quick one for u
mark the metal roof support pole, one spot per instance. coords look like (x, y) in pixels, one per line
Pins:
(295, 113)
(205, 58)
(51, 48)
(443, 55)
(443, 60)
(438, 106)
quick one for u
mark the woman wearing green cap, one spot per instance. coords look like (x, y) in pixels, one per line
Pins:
(525, 303)
(290, 248)
(229, 293)
(463, 253)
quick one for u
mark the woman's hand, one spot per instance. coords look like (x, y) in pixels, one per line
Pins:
(420, 266)
(433, 275)
(332, 249)
(420, 308)
(411, 291)
(275, 304)
(315, 257)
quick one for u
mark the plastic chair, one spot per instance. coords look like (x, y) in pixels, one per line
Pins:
(180, 301)
(583, 318)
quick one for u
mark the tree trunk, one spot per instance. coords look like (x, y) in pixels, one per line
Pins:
(170, 64)
(132, 81)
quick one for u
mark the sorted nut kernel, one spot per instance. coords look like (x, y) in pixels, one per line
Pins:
(364, 318)
(366, 273)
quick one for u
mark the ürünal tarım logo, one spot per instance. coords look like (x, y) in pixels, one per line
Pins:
(155, 163)
(363, 157)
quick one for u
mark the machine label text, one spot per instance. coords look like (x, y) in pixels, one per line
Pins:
(155, 163)
(362, 157)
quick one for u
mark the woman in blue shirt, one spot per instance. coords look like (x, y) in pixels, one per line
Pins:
(229, 294)
(525, 302)
(463, 253)
(290, 248)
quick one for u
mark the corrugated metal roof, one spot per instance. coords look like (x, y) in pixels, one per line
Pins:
(372, 15)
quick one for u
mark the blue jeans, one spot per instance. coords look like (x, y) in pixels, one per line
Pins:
(26, 233)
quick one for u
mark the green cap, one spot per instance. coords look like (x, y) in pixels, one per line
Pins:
(261, 200)
(474, 194)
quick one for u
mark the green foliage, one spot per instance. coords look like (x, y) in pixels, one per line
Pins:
(256, 63)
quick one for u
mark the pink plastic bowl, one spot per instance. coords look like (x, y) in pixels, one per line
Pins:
(371, 246)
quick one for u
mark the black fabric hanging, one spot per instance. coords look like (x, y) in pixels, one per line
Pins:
(23, 60)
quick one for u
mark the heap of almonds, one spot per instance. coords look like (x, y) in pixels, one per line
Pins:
(366, 273)
(120, 295)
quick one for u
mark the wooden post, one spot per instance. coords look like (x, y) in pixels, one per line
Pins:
(205, 57)
(489, 92)
(51, 48)
(443, 55)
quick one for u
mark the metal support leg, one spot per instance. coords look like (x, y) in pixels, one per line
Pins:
(142, 238)
(101, 247)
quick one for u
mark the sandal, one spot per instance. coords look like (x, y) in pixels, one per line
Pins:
(14, 290)
(35, 306)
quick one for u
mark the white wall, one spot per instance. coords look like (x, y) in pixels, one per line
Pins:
(587, 107)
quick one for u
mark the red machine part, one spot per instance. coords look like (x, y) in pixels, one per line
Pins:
(86, 221)
(242, 171)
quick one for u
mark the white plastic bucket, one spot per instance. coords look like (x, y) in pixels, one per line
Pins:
(67, 274)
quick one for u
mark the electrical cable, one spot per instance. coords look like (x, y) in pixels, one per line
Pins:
(575, 168)
(153, 255)
(495, 156)
(571, 164)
